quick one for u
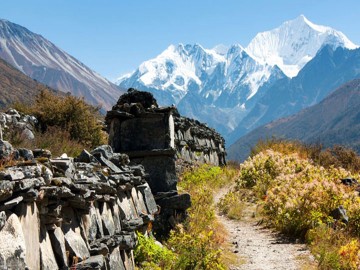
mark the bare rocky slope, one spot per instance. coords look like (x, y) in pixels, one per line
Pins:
(40, 59)
(16, 86)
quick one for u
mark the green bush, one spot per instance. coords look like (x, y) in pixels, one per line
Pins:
(72, 114)
(196, 251)
(338, 155)
(150, 255)
(334, 249)
(297, 195)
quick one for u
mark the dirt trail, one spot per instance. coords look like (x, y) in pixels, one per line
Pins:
(258, 248)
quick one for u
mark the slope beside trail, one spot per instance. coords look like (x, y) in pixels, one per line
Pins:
(258, 248)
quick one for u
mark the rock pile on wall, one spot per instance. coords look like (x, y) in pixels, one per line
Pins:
(13, 121)
(196, 142)
(136, 123)
(62, 212)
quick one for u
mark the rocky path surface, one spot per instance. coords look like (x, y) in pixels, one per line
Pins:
(258, 248)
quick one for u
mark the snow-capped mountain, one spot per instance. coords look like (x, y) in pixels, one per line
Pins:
(42, 60)
(220, 86)
(219, 78)
(295, 43)
(182, 68)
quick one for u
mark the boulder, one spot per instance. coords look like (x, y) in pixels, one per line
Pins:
(104, 151)
(27, 133)
(86, 157)
(339, 214)
(41, 153)
(26, 154)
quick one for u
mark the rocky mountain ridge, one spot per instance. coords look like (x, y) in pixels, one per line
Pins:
(40, 59)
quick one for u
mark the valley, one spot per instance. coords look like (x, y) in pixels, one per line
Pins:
(202, 157)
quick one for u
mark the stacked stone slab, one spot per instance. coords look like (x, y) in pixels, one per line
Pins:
(196, 142)
(63, 212)
(156, 137)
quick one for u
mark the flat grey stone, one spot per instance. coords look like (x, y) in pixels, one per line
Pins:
(149, 198)
(12, 244)
(30, 222)
(115, 260)
(107, 219)
(10, 204)
(58, 243)
(48, 260)
(76, 245)
(94, 262)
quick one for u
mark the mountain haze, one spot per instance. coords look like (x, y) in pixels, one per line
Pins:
(40, 59)
(335, 120)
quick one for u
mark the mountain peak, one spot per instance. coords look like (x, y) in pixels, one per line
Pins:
(302, 21)
(294, 43)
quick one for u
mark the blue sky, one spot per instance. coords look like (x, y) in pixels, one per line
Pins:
(114, 36)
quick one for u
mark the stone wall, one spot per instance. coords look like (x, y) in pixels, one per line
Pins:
(57, 213)
(62, 212)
